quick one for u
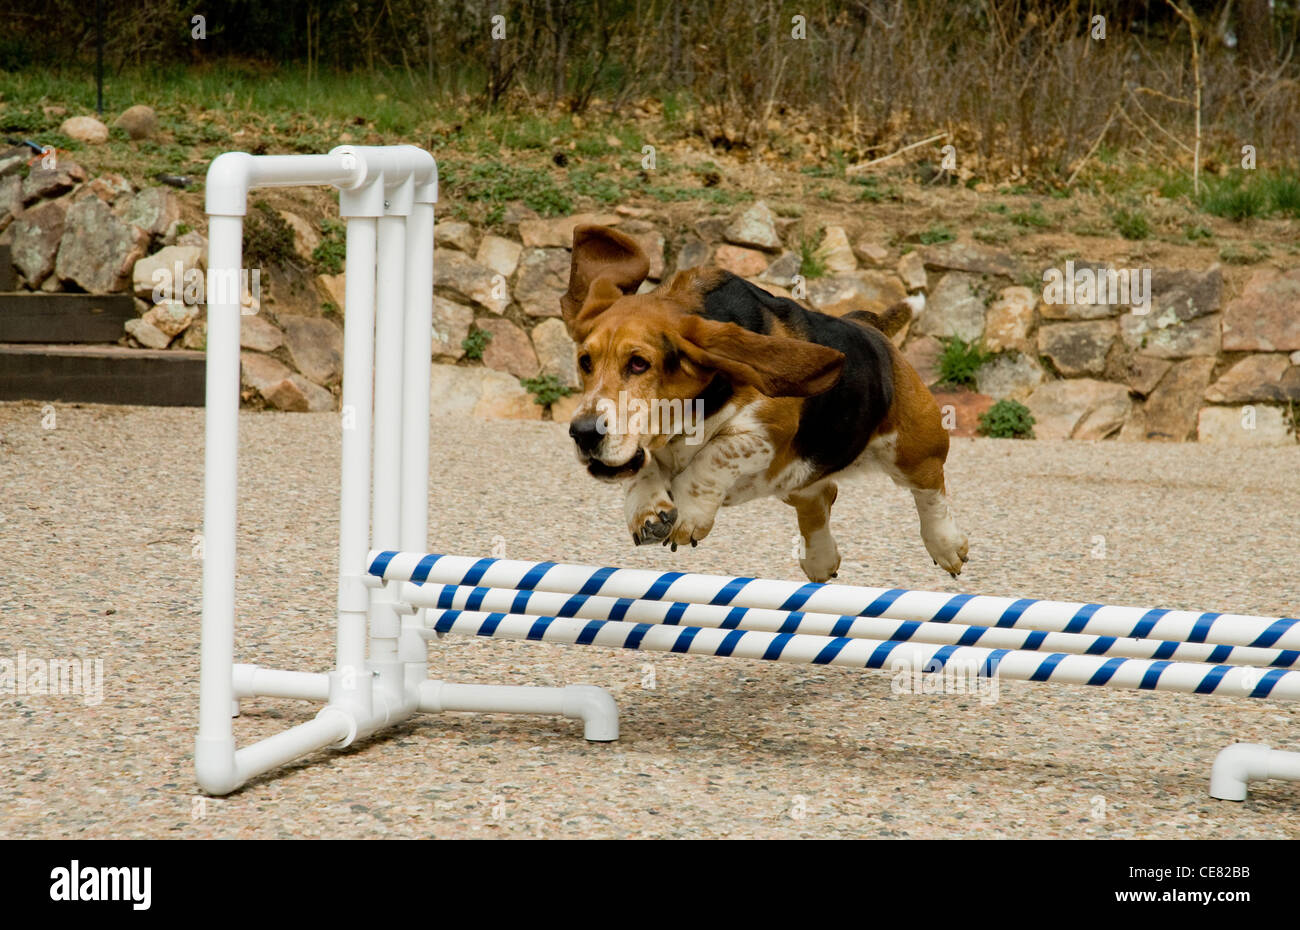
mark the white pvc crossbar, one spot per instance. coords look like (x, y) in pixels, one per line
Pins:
(387, 584)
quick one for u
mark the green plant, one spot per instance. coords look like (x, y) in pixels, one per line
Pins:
(1234, 200)
(959, 361)
(183, 228)
(329, 308)
(1028, 219)
(1131, 224)
(1195, 232)
(476, 342)
(1007, 419)
(1283, 194)
(268, 239)
(936, 234)
(810, 263)
(328, 256)
(546, 389)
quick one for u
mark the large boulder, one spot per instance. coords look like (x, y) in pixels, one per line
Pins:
(836, 253)
(1265, 317)
(480, 392)
(36, 237)
(154, 210)
(315, 347)
(1243, 426)
(1169, 413)
(451, 322)
(556, 352)
(543, 279)
(85, 129)
(98, 250)
(457, 235)
(1082, 408)
(463, 277)
(139, 122)
(1012, 375)
(1257, 378)
(509, 348)
(1077, 348)
(164, 274)
(747, 263)
(1009, 320)
(754, 227)
(970, 258)
(45, 183)
(499, 254)
(954, 308)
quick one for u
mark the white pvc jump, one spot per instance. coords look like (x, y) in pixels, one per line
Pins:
(393, 596)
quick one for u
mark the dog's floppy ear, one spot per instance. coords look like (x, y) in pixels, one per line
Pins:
(778, 366)
(606, 265)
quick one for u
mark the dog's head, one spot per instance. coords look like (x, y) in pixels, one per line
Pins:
(646, 358)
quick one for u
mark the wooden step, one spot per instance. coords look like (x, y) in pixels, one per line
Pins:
(71, 319)
(102, 375)
(8, 277)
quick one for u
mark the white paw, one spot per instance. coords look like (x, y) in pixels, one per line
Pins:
(821, 558)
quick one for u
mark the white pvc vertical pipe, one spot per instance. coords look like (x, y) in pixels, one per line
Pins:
(215, 745)
(354, 500)
(417, 368)
(390, 305)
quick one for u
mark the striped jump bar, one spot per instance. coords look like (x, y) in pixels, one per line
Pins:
(977, 661)
(710, 616)
(1180, 626)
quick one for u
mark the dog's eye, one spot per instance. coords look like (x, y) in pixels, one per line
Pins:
(637, 365)
(585, 363)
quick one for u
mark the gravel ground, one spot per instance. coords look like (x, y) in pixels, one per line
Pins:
(99, 516)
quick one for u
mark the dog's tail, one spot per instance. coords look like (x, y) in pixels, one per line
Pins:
(892, 319)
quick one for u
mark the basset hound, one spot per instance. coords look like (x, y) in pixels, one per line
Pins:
(756, 395)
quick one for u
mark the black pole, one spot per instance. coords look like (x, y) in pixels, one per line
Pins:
(99, 56)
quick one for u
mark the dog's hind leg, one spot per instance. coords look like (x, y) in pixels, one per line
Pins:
(821, 557)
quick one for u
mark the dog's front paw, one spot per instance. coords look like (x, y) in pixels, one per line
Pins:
(653, 527)
(693, 524)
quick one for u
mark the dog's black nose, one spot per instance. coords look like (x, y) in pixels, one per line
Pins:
(586, 432)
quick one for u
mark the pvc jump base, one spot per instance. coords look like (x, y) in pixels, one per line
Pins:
(397, 597)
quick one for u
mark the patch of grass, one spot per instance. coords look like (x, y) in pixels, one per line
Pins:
(475, 343)
(1236, 254)
(546, 389)
(329, 308)
(496, 182)
(1234, 201)
(1031, 219)
(1007, 419)
(810, 263)
(936, 234)
(589, 182)
(1131, 224)
(1194, 232)
(872, 189)
(1283, 194)
(992, 235)
(960, 360)
(328, 256)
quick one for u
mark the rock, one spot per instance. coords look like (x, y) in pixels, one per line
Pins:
(971, 258)
(48, 183)
(515, 213)
(740, 261)
(456, 234)
(835, 252)
(333, 288)
(961, 411)
(556, 352)
(36, 237)
(107, 187)
(1010, 375)
(464, 277)
(911, 268)
(451, 323)
(499, 254)
(954, 308)
(196, 337)
(11, 198)
(543, 280)
(1087, 299)
(509, 349)
(298, 395)
(85, 129)
(147, 334)
(1265, 317)
(1165, 336)
(139, 121)
(259, 334)
(558, 233)
(1186, 294)
(626, 209)
(315, 347)
(481, 392)
(693, 253)
(1243, 426)
(871, 253)
(754, 227)
(782, 271)
(1009, 320)
(154, 209)
(1295, 357)
(164, 274)
(260, 372)
(1077, 348)
(1169, 414)
(711, 228)
(194, 238)
(877, 287)
(305, 236)
(1142, 373)
(12, 160)
(98, 250)
(1082, 408)
(923, 355)
(651, 241)
(171, 317)
(562, 410)
(1257, 378)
